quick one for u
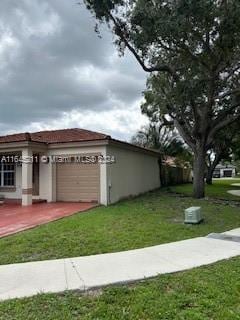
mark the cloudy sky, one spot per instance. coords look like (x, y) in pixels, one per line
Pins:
(57, 73)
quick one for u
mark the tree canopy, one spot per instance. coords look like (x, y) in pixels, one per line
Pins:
(192, 50)
(164, 139)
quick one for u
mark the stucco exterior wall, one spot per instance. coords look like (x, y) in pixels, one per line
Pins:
(133, 173)
(45, 181)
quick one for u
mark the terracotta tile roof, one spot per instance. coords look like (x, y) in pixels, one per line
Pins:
(55, 136)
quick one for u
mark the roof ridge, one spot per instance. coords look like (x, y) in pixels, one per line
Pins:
(104, 134)
(12, 134)
(68, 129)
(56, 136)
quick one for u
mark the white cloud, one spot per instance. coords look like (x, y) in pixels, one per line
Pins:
(58, 73)
(9, 46)
(42, 21)
(119, 123)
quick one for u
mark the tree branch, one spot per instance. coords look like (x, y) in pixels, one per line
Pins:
(121, 33)
(230, 74)
(187, 138)
(228, 93)
(220, 125)
(224, 114)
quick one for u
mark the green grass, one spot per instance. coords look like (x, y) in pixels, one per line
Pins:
(148, 220)
(207, 293)
(218, 189)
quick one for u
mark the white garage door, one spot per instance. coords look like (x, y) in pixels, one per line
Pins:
(78, 182)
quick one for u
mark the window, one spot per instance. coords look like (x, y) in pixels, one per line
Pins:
(7, 174)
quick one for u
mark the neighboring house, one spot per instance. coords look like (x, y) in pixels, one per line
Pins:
(176, 162)
(175, 171)
(224, 171)
(60, 170)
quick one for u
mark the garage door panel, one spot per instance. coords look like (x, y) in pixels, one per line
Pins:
(76, 194)
(82, 169)
(81, 166)
(78, 190)
(75, 180)
(78, 182)
(78, 175)
(75, 186)
(227, 173)
(83, 173)
(78, 179)
(86, 175)
(71, 196)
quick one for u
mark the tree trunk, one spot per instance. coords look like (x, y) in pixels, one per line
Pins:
(211, 168)
(199, 173)
(162, 177)
(209, 177)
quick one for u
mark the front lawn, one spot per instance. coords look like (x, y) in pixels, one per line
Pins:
(207, 293)
(218, 189)
(152, 219)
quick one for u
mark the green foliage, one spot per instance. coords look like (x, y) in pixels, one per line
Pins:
(158, 137)
(101, 8)
(164, 139)
(192, 49)
(175, 32)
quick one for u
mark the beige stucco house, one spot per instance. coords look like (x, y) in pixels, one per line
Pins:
(74, 165)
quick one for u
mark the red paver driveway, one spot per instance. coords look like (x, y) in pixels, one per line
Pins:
(15, 218)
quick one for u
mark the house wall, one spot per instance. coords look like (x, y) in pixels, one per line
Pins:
(223, 169)
(45, 181)
(133, 173)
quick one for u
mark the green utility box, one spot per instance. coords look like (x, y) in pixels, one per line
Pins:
(193, 215)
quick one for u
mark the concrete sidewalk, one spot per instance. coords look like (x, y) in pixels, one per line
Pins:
(84, 273)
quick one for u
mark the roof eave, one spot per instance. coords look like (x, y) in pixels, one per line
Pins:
(19, 145)
(133, 147)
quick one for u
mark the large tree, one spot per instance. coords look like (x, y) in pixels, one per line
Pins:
(192, 49)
